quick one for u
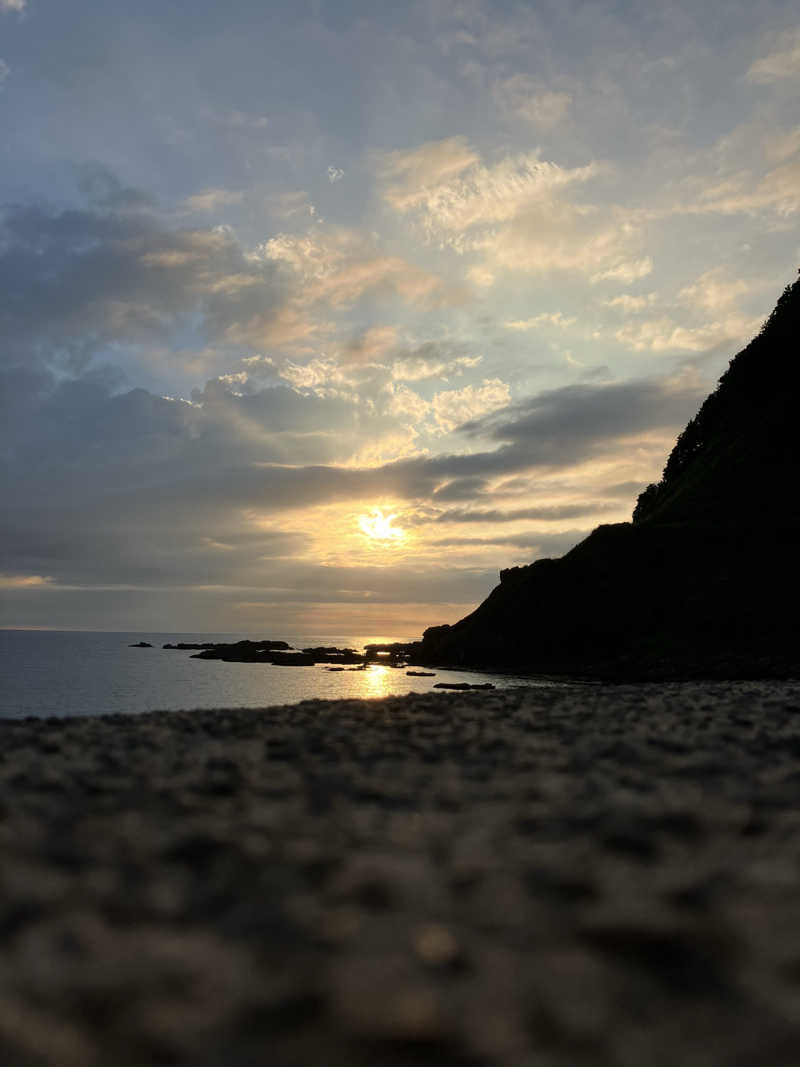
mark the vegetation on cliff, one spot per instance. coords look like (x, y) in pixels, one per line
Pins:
(704, 581)
(739, 454)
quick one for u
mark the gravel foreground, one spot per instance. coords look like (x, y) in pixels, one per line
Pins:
(532, 877)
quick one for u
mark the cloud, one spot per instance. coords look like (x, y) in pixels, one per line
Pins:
(777, 191)
(461, 489)
(453, 407)
(546, 318)
(111, 488)
(388, 445)
(782, 63)
(24, 581)
(406, 404)
(523, 98)
(627, 490)
(554, 235)
(5, 72)
(714, 291)
(130, 487)
(430, 360)
(289, 204)
(782, 144)
(316, 373)
(625, 272)
(12, 5)
(448, 408)
(335, 175)
(561, 427)
(713, 299)
(515, 214)
(536, 544)
(481, 276)
(243, 120)
(427, 166)
(338, 266)
(371, 367)
(213, 199)
(665, 334)
(551, 513)
(79, 282)
(627, 303)
(370, 345)
(476, 195)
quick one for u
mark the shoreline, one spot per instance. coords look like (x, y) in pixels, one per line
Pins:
(593, 875)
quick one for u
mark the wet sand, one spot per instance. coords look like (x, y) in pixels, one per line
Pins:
(597, 875)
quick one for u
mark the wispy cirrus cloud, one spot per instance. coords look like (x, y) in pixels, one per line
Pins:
(452, 407)
(427, 167)
(430, 360)
(545, 513)
(745, 193)
(664, 334)
(629, 304)
(337, 265)
(24, 581)
(213, 200)
(781, 63)
(544, 318)
(515, 214)
(715, 290)
(79, 280)
(467, 193)
(521, 97)
(626, 272)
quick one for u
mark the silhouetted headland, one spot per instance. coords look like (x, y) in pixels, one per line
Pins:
(704, 581)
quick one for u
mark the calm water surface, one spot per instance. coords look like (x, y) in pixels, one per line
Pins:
(76, 673)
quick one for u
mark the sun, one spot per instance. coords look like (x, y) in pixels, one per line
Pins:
(378, 526)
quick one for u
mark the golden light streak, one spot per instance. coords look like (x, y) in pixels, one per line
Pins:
(378, 527)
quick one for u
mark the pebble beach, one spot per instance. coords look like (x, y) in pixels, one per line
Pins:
(522, 878)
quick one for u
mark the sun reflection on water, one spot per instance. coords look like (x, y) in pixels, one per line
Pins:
(376, 681)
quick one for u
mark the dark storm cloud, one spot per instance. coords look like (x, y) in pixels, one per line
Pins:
(392, 585)
(130, 486)
(552, 431)
(78, 281)
(622, 489)
(555, 544)
(461, 489)
(543, 514)
(108, 487)
(577, 419)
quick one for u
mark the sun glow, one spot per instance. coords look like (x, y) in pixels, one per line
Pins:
(378, 527)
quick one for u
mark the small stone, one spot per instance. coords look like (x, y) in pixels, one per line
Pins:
(435, 945)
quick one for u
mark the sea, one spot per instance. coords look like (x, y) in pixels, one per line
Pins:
(66, 672)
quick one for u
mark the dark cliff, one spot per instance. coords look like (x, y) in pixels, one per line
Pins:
(706, 579)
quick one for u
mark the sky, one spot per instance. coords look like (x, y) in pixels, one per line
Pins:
(316, 315)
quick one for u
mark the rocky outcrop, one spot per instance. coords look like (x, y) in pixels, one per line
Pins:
(277, 652)
(292, 659)
(462, 687)
(704, 582)
(243, 647)
(393, 654)
(330, 654)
